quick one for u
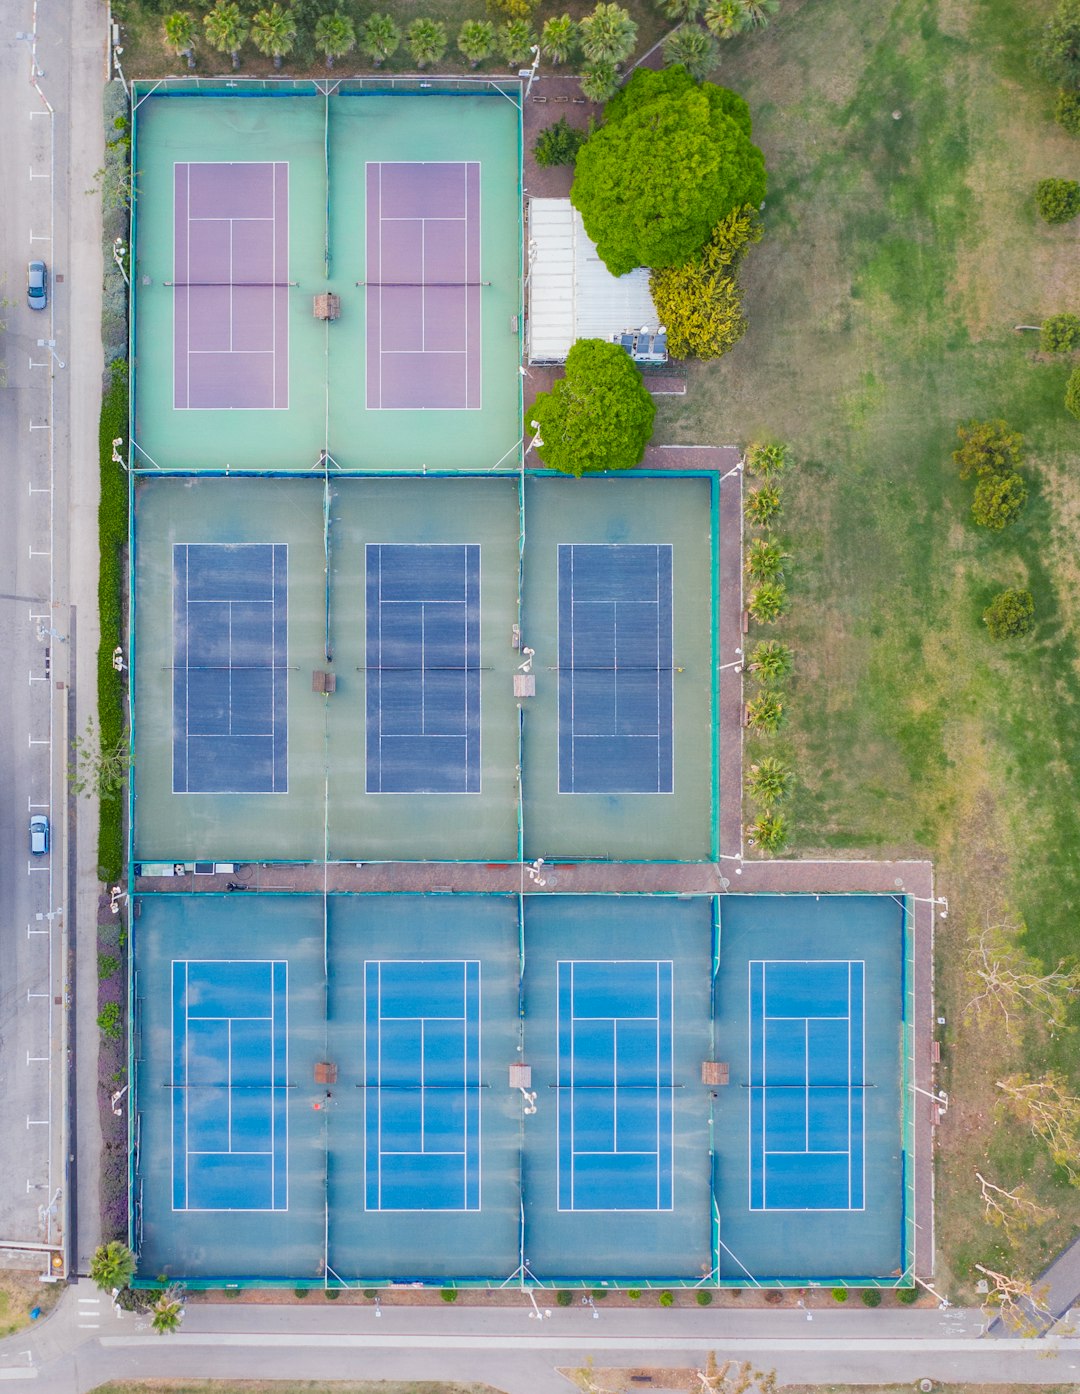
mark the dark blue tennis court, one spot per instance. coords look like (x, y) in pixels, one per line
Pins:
(423, 669)
(615, 1116)
(615, 669)
(230, 668)
(806, 1085)
(422, 1084)
(229, 1083)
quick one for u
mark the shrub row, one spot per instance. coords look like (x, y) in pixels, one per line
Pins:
(112, 542)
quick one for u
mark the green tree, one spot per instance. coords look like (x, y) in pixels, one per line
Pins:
(1010, 615)
(608, 34)
(987, 447)
(769, 781)
(767, 459)
(769, 831)
(767, 602)
(758, 12)
(998, 500)
(476, 40)
(226, 29)
(335, 36)
(168, 1311)
(558, 144)
(1058, 200)
(771, 660)
(273, 32)
(1059, 49)
(559, 38)
(599, 416)
(680, 10)
(694, 48)
(1060, 333)
(1072, 393)
(765, 560)
(180, 35)
(765, 712)
(599, 81)
(110, 1021)
(763, 505)
(670, 162)
(725, 18)
(1067, 111)
(699, 301)
(112, 1266)
(426, 41)
(380, 38)
(516, 40)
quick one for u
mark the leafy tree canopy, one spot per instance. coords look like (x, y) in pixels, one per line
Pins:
(699, 301)
(987, 447)
(672, 159)
(599, 416)
(1010, 614)
(1060, 333)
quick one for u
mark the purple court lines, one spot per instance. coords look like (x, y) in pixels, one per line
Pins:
(423, 285)
(230, 278)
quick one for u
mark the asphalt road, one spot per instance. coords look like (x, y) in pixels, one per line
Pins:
(34, 628)
(85, 1342)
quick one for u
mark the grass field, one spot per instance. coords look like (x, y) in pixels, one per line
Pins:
(899, 254)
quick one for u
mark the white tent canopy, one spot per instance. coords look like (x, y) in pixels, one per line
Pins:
(572, 294)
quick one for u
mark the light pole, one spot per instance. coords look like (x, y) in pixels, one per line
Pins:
(734, 470)
(536, 1314)
(535, 51)
(737, 664)
(119, 250)
(50, 344)
(536, 441)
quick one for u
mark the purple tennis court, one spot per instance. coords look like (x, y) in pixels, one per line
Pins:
(230, 285)
(423, 285)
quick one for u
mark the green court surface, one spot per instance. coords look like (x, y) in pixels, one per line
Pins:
(325, 802)
(327, 143)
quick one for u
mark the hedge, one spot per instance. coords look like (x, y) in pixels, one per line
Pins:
(112, 542)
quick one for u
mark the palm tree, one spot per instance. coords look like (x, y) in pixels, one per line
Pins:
(273, 32)
(559, 38)
(168, 1311)
(769, 831)
(771, 660)
(694, 48)
(426, 39)
(765, 712)
(608, 34)
(724, 18)
(476, 41)
(335, 35)
(763, 505)
(112, 1266)
(767, 602)
(680, 9)
(599, 81)
(516, 40)
(180, 35)
(758, 12)
(765, 560)
(769, 781)
(380, 38)
(226, 28)
(766, 459)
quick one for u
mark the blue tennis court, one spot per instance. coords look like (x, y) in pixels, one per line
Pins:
(422, 1084)
(616, 692)
(229, 1082)
(806, 1084)
(230, 668)
(423, 668)
(614, 1081)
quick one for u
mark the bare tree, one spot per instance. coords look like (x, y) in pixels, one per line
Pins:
(1016, 1302)
(1051, 1112)
(1008, 986)
(1010, 1210)
(734, 1378)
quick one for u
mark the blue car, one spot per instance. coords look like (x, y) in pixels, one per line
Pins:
(37, 285)
(39, 834)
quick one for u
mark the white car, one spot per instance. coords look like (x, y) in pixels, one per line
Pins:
(39, 834)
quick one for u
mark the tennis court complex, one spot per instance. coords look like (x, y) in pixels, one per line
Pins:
(405, 207)
(438, 1088)
(433, 598)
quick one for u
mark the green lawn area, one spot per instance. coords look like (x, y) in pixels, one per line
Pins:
(900, 251)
